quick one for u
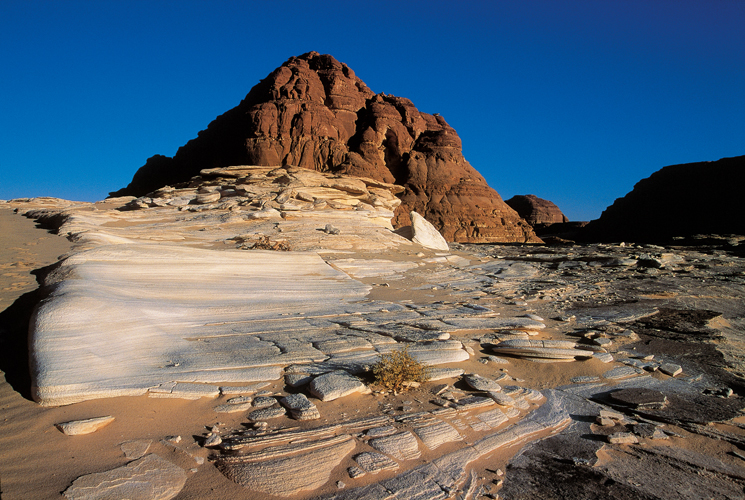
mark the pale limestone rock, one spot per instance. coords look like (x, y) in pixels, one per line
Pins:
(621, 372)
(480, 383)
(425, 234)
(288, 471)
(264, 401)
(87, 426)
(493, 418)
(335, 385)
(159, 303)
(149, 478)
(267, 413)
(373, 463)
(437, 434)
(300, 407)
(401, 446)
(136, 449)
(502, 399)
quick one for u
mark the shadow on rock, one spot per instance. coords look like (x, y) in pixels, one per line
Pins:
(14, 354)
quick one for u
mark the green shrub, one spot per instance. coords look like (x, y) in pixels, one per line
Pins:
(397, 369)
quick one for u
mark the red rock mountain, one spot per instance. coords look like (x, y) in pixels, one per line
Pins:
(536, 211)
(314, 112)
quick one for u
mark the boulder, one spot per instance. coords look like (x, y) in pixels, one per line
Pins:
(314, 112)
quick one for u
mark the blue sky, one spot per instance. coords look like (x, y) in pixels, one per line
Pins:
(573, 101)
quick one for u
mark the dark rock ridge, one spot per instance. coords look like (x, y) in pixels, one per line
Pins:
(536, 211)
(313, 112)
(678, 201)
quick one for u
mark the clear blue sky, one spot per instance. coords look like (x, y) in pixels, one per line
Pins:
(573, 101)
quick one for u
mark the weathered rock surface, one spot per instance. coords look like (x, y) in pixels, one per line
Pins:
(536, 211)
(314, 112)
(677, 201)
(287, 471)
(149, 478)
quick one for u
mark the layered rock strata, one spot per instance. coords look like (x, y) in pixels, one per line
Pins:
(314, 112)
(536, 211)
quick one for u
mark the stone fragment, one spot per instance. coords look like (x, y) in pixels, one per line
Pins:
(135, 449)
(621, 372)
(671, 369)
(402, 446)
(437, 373)
(605, 357)
(373, 462)
(148, 478)
(78, 427)
(267, 413)
(296, 380)
(213, 439)
(502, 399)
(622, 438)
(425, 234)
(233, 408)
(355, 472)
(337, 384)
(480, 383)
(584, 379)
(264, 401)
(300, 407)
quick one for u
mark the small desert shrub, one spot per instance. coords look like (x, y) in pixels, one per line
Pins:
(396, 369)
(264, 243)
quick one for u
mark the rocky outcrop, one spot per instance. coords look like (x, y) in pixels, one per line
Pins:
(314, 112)
(677, 201)
(536, 211)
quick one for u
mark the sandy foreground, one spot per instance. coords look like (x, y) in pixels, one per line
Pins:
(37, 461)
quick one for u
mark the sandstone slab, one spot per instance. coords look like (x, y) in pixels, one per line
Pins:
(149, 478)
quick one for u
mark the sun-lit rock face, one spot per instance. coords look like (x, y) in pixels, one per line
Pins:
(313, 112)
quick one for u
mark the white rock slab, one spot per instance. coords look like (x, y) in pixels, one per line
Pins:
(78, 427)
(425, 233)
(335, 385)
(125, 318)
(149, 478)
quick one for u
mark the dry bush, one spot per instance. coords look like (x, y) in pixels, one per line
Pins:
(264, 243)
(397, 369)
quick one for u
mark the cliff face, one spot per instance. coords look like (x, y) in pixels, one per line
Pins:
(314, 112)
(677, 201)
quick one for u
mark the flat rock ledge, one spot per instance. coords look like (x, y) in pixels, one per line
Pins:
(148, 478)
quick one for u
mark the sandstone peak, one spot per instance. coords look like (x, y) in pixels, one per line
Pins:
(536, 211)
(314, 112)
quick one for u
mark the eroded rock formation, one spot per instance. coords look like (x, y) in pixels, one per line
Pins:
(536, 211)
(314, 112)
